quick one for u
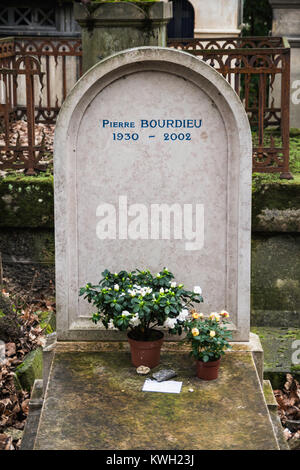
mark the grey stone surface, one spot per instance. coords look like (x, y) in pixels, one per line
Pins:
(48, 354)
(219, 18)
(278, 430)
(118, 415)
(286, 22)
(108, 28)
(2, 351)
(254, 346)
(164, 374)
(32, 422)
(275, 287)
(30, 369)
(213, 171)
(281, 353)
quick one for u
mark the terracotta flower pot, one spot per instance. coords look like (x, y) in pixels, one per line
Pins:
(208, 370)
(146, 353)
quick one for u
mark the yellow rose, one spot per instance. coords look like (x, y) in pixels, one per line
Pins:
(224, 314)
(214, 316)
(195, 331)
(195, 315)
(212, 333)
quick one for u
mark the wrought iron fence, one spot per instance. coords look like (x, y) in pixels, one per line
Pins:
(258, 68)
(37, 73)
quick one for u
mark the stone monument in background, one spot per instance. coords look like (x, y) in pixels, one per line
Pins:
(111, 27)
(286, 22)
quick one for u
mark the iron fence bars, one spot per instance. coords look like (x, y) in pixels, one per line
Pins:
(35, 78)
(258, 68)
(61, 62)
(36, 74)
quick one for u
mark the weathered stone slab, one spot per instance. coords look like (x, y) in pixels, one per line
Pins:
(32, 422)
(94, 401)
(282, 353)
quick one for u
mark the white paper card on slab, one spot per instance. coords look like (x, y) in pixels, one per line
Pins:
(167, 386)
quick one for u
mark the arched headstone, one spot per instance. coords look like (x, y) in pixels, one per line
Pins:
(152, 169)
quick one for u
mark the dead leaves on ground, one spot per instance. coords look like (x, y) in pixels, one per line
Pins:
(288, 401)
(14, 403)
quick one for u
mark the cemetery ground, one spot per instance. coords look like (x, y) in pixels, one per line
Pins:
(29, 298)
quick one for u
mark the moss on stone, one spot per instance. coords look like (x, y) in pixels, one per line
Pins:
(30, 369)
(270, 194)
(47, 321)
(275, 277)
(9, 324)
(103, 391)
(278, 350)
(33, 245)
(26, 201)
(269, 395)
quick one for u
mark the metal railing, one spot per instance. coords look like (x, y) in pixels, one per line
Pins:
(37, 73)
(258, 68)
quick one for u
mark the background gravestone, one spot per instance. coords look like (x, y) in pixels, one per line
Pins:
(103, 172)
(286, 22)
(107, 27)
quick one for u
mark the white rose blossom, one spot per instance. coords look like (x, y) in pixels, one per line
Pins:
(183, 315)
(197, 290)
(116, 287)
(170, 323)
(173, 284)
(135, 321)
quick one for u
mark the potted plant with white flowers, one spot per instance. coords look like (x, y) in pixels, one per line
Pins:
(209, 338)
(140, 302)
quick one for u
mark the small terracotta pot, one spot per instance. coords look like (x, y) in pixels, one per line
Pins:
(208, 370)
(145, 353)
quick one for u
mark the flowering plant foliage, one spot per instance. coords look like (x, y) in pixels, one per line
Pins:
(140, 301)
(208, 336)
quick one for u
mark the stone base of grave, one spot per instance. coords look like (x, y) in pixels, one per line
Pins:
(94, 400)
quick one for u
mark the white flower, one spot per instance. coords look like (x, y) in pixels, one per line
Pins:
(111, 325)
(170, 323)
(157, 275)
(116, 287)
(161, 290)
(183, 315)
(173, 284)
(126, 313)
(197, 290)
(135, 321)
